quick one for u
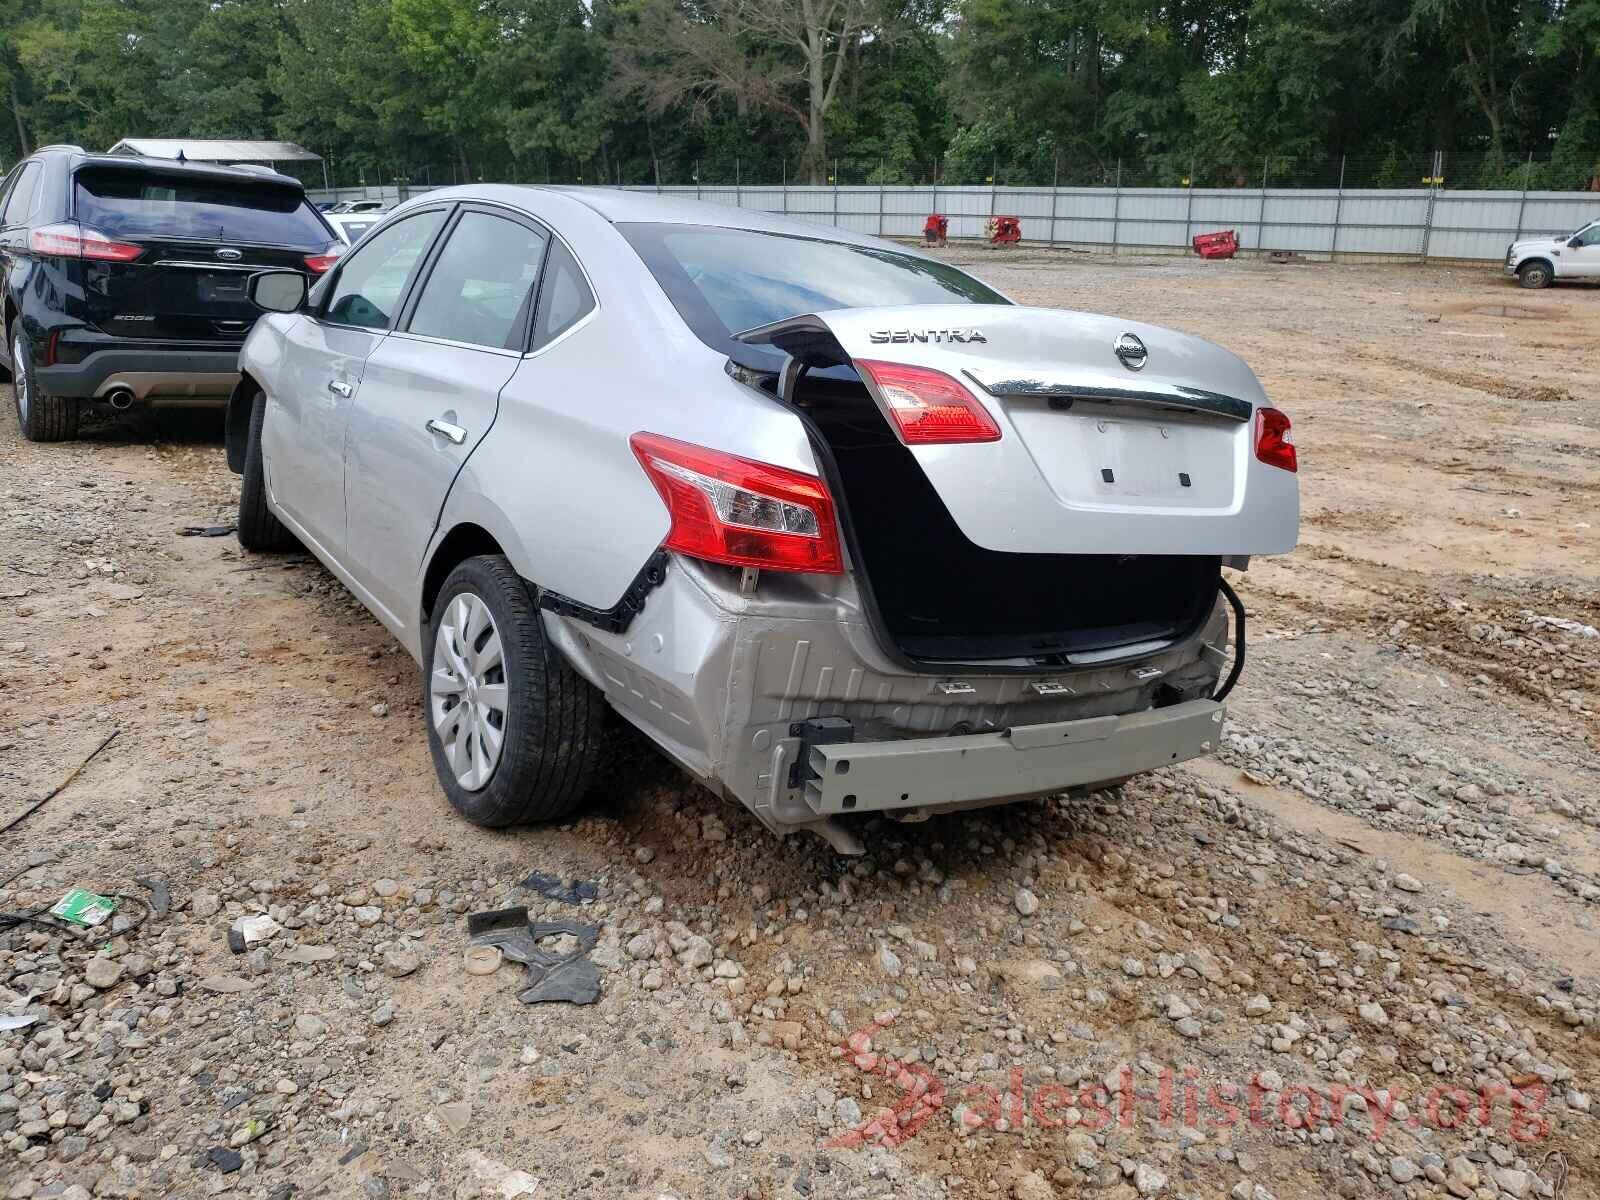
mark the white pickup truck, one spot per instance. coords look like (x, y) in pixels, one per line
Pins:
(1539, 262)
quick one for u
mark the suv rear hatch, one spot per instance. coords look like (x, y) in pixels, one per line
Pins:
(1090, 528)
(200, 235)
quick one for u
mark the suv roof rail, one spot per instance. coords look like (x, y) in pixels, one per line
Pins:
(61, 146)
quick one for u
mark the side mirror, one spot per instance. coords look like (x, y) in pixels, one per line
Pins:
(277, 291)
(1575, 243)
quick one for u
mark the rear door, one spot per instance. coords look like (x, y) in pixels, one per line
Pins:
(200, 235)
(303, 436)
(1115, 437)
(431, 390)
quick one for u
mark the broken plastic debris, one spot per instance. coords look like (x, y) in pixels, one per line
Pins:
(82, 907)
(552, 888)
(9, 1021)
(570, 978)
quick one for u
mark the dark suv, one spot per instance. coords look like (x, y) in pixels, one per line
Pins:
(124, 277)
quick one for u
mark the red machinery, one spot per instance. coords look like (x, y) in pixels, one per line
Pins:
(936, 230)
(1001, 230)
(1216, 245)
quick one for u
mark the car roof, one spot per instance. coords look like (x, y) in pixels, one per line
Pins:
(622, 206)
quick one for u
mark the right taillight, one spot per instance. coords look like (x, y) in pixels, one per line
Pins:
(67, 240)
(733, 510)
(928, 406)
(1274, 439)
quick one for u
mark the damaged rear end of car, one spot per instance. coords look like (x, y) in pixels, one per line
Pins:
(1000, 578)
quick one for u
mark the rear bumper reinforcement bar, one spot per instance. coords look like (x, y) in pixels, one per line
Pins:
(1028, 760)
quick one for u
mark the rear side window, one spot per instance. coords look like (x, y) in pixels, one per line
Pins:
(370, 282)
(564, 297)
(724, 281)
(480, 281)
(146, 204)
(19, 205)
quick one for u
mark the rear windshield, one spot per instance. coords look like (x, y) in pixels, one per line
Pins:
(724, 281)
(138, 204)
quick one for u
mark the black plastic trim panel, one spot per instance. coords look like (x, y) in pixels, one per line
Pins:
(620, 615)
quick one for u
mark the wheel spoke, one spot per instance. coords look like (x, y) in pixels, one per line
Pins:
(495, 696)
(446, 682)
(491, 656)
(488, 735)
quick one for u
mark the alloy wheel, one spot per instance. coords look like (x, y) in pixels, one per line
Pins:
(467, 690)
(19, 378)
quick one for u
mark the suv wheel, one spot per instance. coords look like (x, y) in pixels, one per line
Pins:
(41, 418)
(1534, 275)
(514, 730)
(258, 528)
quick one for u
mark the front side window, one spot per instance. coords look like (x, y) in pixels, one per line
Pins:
(1590, 236)
(368, 288)
(482, 279)
(724, 281)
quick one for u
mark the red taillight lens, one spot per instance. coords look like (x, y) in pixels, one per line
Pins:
(74, 241)
(1274, 440)
(731, 510)
(321, 262)
(929, 407)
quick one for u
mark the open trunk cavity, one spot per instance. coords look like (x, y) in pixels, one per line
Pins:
(943, 599)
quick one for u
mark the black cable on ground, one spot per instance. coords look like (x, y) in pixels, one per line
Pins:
(1238, 641)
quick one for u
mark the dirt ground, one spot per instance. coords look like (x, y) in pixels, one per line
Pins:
(1384, 885)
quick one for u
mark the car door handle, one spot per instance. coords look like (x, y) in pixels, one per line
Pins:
(444, 429)
(340, 388)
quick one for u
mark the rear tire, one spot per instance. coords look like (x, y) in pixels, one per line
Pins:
(514, 731)
(1535, 275)
(259, 530)
(41, 418)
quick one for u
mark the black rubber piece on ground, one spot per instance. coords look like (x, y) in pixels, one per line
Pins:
(49, 418)
(259, 530)
(553, 715)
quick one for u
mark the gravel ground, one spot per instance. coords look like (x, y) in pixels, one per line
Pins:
(1354, 955)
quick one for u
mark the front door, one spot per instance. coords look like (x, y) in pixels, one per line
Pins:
(431, 391)
(1583, 260)
(302, 438)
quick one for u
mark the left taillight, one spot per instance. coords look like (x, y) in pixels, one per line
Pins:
(1274, 439)
(319, 263)
(727, 509)
(67, 240)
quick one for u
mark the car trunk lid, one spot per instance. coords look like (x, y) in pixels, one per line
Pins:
(1100, 452)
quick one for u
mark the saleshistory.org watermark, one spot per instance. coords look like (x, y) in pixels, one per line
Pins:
(1179, 1096)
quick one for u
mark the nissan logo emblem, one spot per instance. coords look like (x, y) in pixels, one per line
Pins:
(1131, 352)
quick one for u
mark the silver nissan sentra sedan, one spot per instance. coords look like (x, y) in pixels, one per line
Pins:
(836, 524)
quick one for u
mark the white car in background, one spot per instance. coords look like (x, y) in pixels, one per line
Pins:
(351, 226)
(1539, 262)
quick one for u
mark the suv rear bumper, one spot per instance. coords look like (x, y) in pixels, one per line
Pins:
(171, 376)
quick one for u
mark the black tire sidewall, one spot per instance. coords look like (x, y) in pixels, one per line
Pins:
(503, 799)
(50, 418)
(258, 529)
(1534, 276)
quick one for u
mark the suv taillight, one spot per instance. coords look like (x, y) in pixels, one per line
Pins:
(67, 240)
(731, 510)
(928, 406)
(1274, 440)
(318, 263)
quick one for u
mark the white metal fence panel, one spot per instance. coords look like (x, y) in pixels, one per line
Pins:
(1406, 222)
